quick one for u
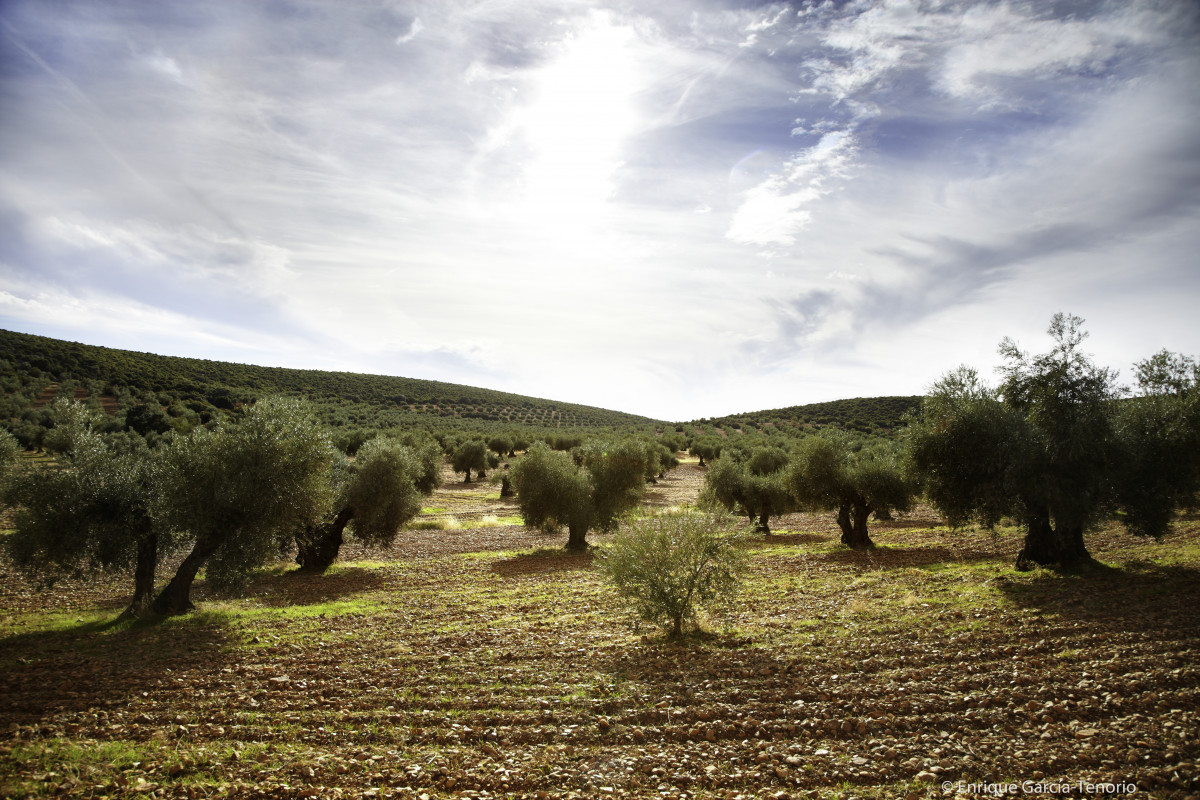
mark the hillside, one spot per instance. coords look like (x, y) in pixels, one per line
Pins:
(34, 370)
(880, 415)
(221, 384)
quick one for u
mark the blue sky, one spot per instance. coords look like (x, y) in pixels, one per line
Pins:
(676, 209)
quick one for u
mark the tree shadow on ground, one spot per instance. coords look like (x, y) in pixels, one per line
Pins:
(674, 663)
(106, 664)
(296, 588)
(898, 557)
(1140, 595)
(783, 540)
(884, 525)
(542, 561)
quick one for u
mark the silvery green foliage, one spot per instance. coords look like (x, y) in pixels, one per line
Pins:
(382, 489)
(89, 510)
(551, 489)
(470, 457)
(669, 567)
(243, 490)
(9, 447)
(1059, 448)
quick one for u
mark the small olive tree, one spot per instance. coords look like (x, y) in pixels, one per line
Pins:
(376, 494)
(668, 567)
(472, 455)
(90, 511)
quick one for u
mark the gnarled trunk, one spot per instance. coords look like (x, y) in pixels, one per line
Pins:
(577, 538)
(175, 598)
(763, 527)
(852, 519)
(143, 576)
(317, 547)
(1050, 545)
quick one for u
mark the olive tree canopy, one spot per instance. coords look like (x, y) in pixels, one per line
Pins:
(1057, 448)
(241, 492)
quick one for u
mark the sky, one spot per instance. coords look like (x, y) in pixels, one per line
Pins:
(675, 209)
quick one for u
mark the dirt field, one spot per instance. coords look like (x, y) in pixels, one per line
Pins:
(486, 662)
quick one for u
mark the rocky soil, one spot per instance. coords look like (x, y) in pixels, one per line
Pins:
(488, 663)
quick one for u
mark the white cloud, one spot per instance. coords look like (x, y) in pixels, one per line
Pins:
(116, 321)
(414, 30)
(188, 249)
(531, 195)
(774, 211)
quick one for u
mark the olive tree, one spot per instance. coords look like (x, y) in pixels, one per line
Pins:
(9, 448)
(706, 447)
(472, 455)
(659, 459)
(1055, 448)
(500, 445)
(375, 494)
(553, 490)
(667, 567)
(1157, 443)
(753, 483)
(834, 472)
(616, 475)
(241, 492)
(90, 511)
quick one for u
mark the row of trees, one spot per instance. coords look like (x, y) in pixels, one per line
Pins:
(237, 496)
(832, 471)
(1057, 447)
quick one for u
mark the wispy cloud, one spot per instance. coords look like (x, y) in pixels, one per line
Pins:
(506, 194)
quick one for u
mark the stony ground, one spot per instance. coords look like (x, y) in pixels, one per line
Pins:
(486, 662)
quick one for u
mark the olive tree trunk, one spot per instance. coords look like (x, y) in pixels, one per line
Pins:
(1050, 545)
(852, 519)
(318, 546)
(143, 577)
(175, 597)
(577, 538)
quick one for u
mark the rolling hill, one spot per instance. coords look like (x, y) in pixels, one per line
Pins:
(36, 369)
(222, 383)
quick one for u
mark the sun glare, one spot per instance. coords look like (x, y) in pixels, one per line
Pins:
(576, 126)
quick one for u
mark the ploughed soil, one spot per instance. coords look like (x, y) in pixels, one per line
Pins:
(488, 662)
